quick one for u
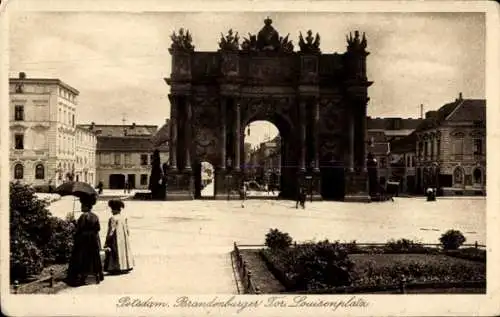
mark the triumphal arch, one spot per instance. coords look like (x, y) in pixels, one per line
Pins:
(316, 100)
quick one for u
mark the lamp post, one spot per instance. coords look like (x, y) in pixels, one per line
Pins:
(228, 176)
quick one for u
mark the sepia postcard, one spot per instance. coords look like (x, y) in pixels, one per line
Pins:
(249, 158)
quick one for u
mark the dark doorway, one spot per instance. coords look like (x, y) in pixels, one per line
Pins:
(131, 180)
(116, 181)
(332, 181)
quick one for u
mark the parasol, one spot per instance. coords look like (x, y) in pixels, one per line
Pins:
(78, 189)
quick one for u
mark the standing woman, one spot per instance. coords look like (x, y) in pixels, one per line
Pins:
(85, 258)
(119, 255)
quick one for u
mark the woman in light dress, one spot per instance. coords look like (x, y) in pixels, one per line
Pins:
(118, 257)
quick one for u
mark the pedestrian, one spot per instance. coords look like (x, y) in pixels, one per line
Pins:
(100, 187)
(243, 195)
(85, 257)
(118, 257)
(125, 188)
(301, 198)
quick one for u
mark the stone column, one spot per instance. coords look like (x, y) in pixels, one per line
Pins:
(316, 135)
(173, 133)
(351, 142)
(302, 136)
(237, 135)
(223, 133)
(361, 134)
(187, 133)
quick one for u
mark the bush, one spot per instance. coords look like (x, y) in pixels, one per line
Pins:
(403, 245)
(321, 265)
(36, 237)
(278, 240)
(452, 239)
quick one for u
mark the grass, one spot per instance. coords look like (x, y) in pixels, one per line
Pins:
(373, 270)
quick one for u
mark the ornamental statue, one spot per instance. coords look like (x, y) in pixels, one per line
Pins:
(286, 45)
(310, 44)
(230, 42)
(250, 43)
(267, 39)
(182, 41)
(355, 43)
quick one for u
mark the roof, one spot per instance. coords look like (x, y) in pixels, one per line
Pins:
(162, 136)
(469, 109)
(131, 130)
(378, 148)
(458, 110)
(127, 144)
(392, 123)
(46, 81)
(404, 145)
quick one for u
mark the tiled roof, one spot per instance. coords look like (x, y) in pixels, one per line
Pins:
(406, 144)
(392, 123)
(459, 110)
(130, 130)
(469, 110)
(127, 144)
(162, 136)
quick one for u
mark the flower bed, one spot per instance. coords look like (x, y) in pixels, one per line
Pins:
(373, 270)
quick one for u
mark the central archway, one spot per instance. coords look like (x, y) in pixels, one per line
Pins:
(273, 167)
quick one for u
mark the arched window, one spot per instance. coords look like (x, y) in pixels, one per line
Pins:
(458, 176)
(18, 171)
(478, 176)
(39, 171)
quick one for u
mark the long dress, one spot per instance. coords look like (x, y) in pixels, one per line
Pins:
(119, 258)
(85, 258)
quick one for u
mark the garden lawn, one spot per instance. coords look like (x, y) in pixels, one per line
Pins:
(372, 269)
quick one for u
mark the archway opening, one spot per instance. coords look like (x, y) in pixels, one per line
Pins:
(205, 180)
(262, 159)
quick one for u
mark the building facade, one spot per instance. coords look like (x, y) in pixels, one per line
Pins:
(451, 148)
(123, 154)
(381, 133)
(42, 130)
(85, 165)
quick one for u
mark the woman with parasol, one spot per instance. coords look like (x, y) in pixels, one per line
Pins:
(85, 257)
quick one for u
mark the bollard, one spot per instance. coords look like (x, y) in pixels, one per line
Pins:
(16, 286)
(51, 280)
(402, 284)
(257, 290)
(249, 279)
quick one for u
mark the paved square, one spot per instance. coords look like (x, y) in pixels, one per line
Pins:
(183, 247)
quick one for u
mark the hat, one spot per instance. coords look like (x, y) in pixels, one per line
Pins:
(116, 204)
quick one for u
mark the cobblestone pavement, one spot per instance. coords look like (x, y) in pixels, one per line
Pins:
(183, 247)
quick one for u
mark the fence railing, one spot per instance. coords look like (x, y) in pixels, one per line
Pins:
(475, 245)
(47, 279)
(245, 273)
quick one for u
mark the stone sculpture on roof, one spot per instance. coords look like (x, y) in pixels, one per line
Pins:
(182, 41)
(310, 44)
(229, 42)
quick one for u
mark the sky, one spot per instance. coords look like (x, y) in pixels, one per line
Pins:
(118, 60)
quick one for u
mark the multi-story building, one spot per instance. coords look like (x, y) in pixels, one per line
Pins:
(451, 148)
(43, 130)
(124, 153)
(86, 146)
(381, 132)
(265, 160)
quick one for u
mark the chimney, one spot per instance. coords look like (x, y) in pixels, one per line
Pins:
(421, 111)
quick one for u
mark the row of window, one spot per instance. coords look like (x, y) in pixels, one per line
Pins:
(117, 159)
(19, 115)
(19, 171)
